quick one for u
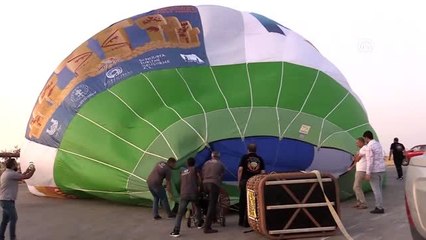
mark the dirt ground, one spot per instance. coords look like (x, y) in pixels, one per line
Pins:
(56, 219)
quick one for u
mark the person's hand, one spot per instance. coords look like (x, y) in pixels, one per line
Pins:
(171, 196)
(367, 177)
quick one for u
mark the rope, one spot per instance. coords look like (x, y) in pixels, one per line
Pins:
(330, 206)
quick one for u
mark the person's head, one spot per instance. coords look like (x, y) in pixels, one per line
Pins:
(360, 142)
(368, 136)
(171, 162)
(190, 162)
(395, 140)
(216, 155)
(251, 147)
(11, 164)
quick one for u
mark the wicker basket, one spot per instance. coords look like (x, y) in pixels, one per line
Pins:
(292, 205)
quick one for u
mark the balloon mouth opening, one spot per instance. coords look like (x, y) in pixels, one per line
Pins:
(279, 155)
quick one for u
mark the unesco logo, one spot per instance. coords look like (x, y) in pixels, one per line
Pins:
(114, 72)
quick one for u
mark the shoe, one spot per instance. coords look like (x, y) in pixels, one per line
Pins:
(378, 211)
(356, 205)
(157, 217)
(171, 216)
(210, 230)
(175, 233)
(200, 224)
(362, 206)
(400, 178)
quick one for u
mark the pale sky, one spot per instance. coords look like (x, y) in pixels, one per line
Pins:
(379, 46)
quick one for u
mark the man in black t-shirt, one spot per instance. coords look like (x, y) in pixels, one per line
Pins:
(398, 151)
(250, 165)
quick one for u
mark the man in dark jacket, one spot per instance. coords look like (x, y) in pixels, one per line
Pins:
(161, 171)
(189, 192)
(213, 171)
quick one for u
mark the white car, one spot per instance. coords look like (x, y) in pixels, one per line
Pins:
(415, 196)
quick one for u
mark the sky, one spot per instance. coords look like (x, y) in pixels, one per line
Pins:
(380, 47)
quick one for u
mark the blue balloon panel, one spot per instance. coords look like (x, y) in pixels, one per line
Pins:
(286, 155)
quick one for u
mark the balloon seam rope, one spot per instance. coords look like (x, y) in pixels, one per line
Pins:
(193, 97)
(140, 159)
(251, 99)
(143, 119)
(167, 106)
(226, 102)
(278, 99)
(122, 139)
(303, 105)
(323, 120)
(345, 131)
(102, 163)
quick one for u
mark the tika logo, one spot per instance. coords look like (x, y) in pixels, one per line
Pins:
(114, 72)
(191, 58)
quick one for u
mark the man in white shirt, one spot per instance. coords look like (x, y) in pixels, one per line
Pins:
(361, 166)
(375, 170)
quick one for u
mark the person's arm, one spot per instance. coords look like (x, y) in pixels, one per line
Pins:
(240, 172)
(262, 166)
(199, 181)
(404, 153)
(169, 183)
(28, 173)
(390, 152)
(369, 161)
(357, 157)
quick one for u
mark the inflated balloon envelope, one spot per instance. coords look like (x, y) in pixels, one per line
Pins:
(182, 81)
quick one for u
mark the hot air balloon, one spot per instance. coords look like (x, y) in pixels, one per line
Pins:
(182, 81)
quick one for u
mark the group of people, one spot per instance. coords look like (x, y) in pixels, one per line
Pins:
(370, 166)
(193, 182)
(369, 161)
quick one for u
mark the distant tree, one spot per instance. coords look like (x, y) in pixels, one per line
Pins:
(16, 153)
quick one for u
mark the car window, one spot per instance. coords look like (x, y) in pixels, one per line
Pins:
(423, 148)
(416, 148)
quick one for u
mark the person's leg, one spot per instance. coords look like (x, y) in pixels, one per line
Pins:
(154, 203)
(213, 191)
(376, 186)
(243, 221)
(398, 166)
(13, 219)
(198, 213)
(182, 210)
(165, 202)
(359, 176)
(5, 220)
